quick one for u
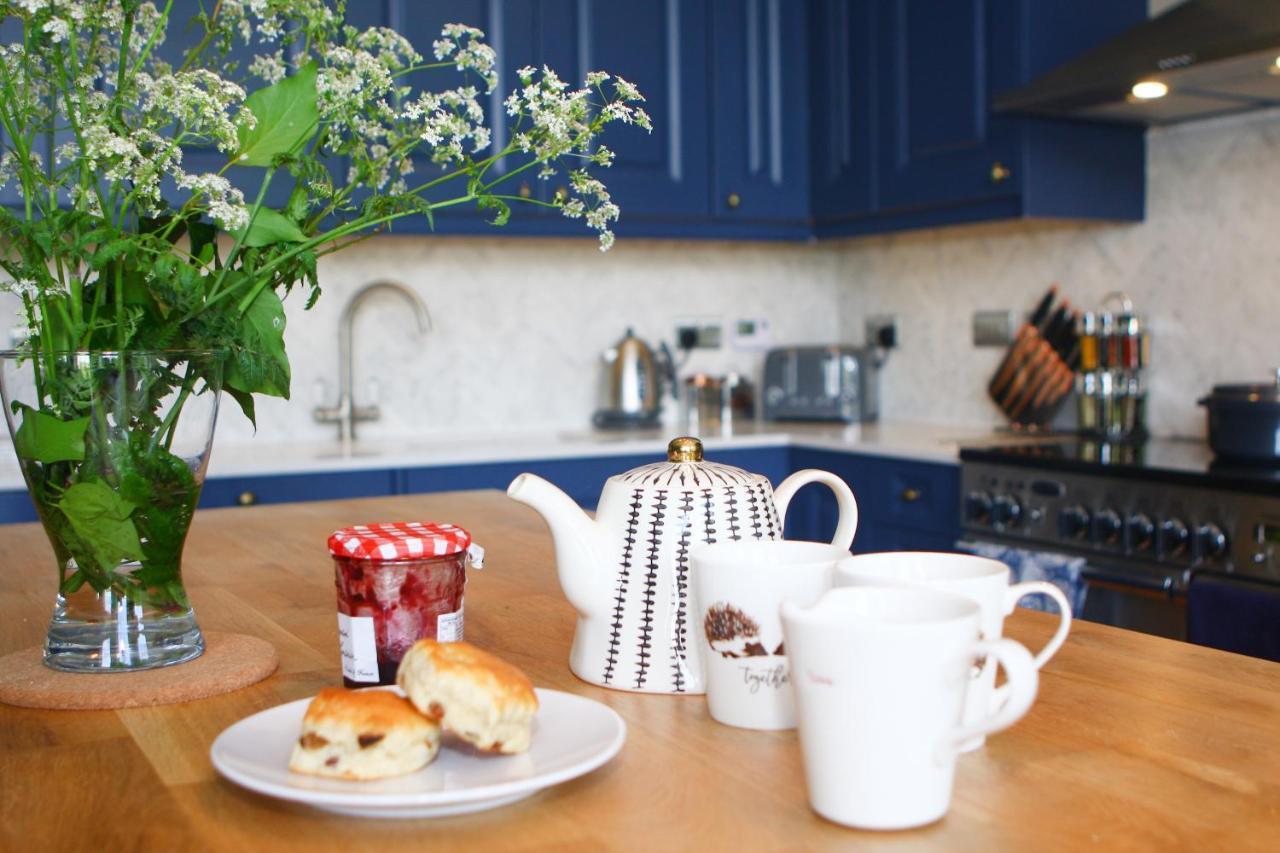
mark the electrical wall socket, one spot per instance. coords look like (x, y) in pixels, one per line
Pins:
(994, 328)
(751, 333)
(882, 331)
(699, 333)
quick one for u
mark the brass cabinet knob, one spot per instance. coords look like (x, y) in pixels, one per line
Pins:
(732, 201)
(247, 499)
(525, 190)
(910, 495)
(1000, 172)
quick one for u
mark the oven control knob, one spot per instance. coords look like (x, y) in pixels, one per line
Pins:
(1141, 531)
(1006, 511)
(1108, 526)
(1211, 540)
(1074, 521)
(977, 506)
(1174, 537)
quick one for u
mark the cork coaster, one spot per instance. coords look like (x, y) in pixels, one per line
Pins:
(229, 662)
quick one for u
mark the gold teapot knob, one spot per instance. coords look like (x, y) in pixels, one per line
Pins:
(684, 449)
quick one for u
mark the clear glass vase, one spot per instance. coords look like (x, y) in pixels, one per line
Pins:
(114, 447)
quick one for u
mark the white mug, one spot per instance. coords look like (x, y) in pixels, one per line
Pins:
(880, 675)
(984, 580)
(738, 587)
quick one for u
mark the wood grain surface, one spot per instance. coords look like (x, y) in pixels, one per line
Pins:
(1135, 742)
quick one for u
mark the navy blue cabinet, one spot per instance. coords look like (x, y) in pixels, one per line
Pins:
(903, 504)
(660, 46)
(759, 112)
(937, 155)
(842, 99)
(291, 488)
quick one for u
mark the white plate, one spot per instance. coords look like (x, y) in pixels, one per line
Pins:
(572, 735)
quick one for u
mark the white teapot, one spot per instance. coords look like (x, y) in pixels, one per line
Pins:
(626, 572)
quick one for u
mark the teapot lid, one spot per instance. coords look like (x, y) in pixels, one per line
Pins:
(685, 466)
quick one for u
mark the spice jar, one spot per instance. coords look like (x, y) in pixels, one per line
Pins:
(397, 583)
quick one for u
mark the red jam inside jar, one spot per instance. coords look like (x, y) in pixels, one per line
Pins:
(389, 599)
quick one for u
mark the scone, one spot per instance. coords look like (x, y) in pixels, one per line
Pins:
(482, 699)
(363, 734)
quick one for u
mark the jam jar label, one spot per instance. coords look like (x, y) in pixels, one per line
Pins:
(359, 648)
(449, 626)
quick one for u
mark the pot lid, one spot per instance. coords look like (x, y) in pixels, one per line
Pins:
(1259, 392)
(685, 466)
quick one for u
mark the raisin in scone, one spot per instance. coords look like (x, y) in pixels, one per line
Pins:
(481, 698)
(363, 734)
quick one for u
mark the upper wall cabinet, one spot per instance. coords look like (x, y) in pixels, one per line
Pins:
(843, 45)
(759, 115)
(659, 45)
(911, 141)
(788, 119)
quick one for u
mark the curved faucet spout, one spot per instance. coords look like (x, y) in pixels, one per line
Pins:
(347, 413)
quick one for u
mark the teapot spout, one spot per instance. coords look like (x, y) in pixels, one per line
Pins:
(580, 558)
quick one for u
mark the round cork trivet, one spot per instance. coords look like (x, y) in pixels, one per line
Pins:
(229, 662)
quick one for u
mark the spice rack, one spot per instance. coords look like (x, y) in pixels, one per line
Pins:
(1111, 387)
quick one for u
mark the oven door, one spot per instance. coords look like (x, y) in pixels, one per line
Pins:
(1153, 603)
(1127, 595)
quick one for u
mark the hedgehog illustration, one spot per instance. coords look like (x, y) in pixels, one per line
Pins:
(731, 632)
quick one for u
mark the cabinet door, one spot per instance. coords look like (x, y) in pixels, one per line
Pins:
(845, 47)
(661, 46)
(760, 119)
(293, 488)
(941, 63)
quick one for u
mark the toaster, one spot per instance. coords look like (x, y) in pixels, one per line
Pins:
(820, 383)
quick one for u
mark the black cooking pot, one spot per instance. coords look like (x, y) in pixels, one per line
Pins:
(1244, 421)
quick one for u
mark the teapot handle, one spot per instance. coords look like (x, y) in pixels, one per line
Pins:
(848, 525)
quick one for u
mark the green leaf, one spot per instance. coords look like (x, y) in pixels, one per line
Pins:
(44, 438)
(269, 227)
(258, 362)
(501, 210)
(287, 117)
(100, 517)
(246, 404)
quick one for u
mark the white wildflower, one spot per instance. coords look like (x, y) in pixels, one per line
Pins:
(57, 29)
(269, 67)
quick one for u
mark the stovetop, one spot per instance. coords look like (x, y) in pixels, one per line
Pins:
(1181, 461)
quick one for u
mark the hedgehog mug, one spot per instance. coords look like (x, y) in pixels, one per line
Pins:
(627, 571)
(740, 588)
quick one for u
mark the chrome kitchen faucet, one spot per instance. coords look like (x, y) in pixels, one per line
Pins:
(346, 414)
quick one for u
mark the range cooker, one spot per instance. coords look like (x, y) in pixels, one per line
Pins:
(1146, 517)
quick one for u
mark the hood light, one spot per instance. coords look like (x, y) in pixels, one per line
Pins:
(1149, 90)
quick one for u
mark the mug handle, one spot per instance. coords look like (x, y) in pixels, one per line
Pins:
(1012, 596)
(1023, 681)
(1019, 591)
(848, 525)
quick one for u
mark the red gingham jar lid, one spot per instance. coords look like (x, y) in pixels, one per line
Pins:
(399, 540)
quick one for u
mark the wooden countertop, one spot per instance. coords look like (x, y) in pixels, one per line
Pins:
(1135, 742)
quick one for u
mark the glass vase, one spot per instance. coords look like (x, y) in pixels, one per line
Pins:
(114, 447)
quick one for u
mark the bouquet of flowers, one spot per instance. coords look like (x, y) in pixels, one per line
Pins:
(118, 247)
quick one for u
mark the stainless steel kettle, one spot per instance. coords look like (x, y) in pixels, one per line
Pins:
(633, 379)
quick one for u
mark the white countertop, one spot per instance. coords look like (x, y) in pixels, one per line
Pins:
(926, 442)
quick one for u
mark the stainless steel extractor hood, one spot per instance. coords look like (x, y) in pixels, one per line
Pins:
(1212, 57)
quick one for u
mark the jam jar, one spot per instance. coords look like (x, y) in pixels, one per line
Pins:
(397, 583)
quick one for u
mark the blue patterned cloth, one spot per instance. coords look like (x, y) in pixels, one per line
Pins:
(1058, 569)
